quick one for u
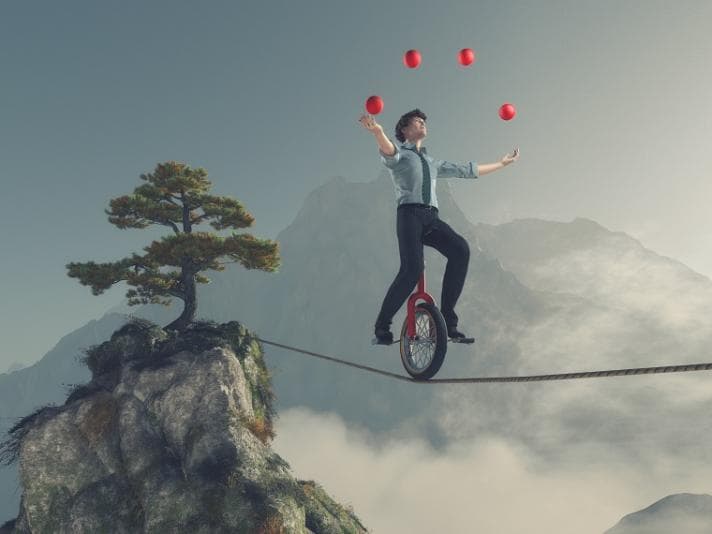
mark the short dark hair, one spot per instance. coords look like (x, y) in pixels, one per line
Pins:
(404, 121)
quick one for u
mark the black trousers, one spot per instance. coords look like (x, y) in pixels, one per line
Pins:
(419, 225)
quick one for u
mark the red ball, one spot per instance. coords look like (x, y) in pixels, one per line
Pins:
(507, 111)
(411, 59)
(466, 56)
(374, 105)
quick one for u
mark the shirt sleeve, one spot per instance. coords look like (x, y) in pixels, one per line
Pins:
(447, 169)
(391, 161)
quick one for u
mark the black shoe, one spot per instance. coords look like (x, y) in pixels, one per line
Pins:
(458, 337)
(383, 337)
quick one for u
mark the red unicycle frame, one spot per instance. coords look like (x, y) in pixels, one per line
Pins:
(423, 340)
(419, 294)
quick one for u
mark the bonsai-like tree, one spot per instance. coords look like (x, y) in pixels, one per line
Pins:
(172, 197)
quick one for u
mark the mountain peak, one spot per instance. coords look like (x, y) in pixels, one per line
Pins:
(682, 512)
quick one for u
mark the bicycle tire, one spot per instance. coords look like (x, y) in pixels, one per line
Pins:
(435, 341)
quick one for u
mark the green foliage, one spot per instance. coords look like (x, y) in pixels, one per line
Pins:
(176, 196)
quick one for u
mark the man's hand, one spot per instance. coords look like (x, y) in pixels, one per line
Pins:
(384, 144)
(510, 158)
(370, 124)
(501, 164)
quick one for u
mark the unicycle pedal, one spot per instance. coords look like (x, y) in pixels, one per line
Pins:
(463, 340)
(455, 336)
(376, 341)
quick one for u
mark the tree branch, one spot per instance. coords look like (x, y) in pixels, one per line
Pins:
(170, 198)
(172, 225)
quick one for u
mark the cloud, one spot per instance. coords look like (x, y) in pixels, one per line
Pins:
(489, 485)
(614, 270)
(605, 328)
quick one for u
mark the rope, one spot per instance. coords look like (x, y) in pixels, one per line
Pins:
(337, 360)
(685, 368)
(531, 378)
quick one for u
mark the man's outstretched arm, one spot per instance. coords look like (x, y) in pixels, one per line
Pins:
(491, 167)
(384, 144)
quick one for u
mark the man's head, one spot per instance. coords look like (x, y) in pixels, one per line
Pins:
(411, 126)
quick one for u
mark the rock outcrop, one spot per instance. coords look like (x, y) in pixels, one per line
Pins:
(171, 434)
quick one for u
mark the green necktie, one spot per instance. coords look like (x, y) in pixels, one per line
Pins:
(426, 177)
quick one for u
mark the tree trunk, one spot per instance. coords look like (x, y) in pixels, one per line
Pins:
(190, 303)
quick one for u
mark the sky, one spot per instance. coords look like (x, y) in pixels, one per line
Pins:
(612, 98)
(613, 123)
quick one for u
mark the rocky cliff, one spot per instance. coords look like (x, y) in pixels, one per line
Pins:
(171, 434)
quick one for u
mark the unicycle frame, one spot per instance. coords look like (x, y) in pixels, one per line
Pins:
(419, 294)
(422, 353)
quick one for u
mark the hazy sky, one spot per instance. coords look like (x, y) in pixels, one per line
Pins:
(614, 120)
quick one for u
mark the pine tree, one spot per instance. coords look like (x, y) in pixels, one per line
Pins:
(173, 195)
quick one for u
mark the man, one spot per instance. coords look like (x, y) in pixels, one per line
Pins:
(414, 175)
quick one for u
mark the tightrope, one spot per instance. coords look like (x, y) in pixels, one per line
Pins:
(685, 368)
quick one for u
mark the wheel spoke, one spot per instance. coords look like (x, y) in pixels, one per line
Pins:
(422, 348)
(423, 354)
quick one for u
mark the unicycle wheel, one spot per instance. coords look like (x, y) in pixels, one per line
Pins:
(423, 355)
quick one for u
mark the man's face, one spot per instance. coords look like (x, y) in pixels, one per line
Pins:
(416, 130)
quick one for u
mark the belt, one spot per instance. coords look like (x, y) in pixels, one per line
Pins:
(421, 206)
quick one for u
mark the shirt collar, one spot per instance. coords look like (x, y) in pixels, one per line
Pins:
(411, 146)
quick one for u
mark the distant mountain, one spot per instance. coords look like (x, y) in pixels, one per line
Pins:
(583, 258)
(683, 513)
(43, 382)
(15, 366)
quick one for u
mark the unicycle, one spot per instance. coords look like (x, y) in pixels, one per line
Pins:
(423, 340)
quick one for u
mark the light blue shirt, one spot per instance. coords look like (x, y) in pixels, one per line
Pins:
(406, 169)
